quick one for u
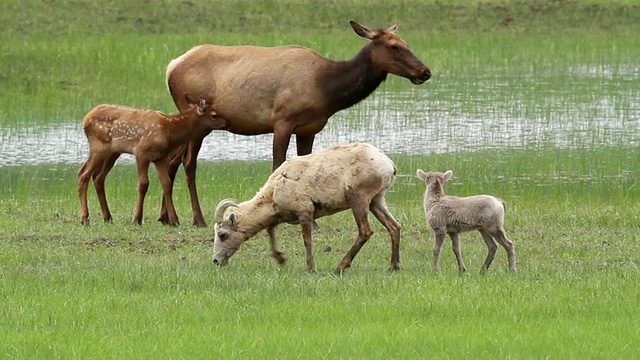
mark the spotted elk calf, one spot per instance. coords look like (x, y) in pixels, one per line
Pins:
(150, 136)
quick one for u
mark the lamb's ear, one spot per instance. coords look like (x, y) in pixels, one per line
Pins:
(233, 222)
(447, 175)
(421, 175)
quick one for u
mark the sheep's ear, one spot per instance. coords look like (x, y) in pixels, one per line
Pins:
(447, 175)
(233, 222)
(421, 174)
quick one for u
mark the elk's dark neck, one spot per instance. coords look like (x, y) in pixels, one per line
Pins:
(348, 82)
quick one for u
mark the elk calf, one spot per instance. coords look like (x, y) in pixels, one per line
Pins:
(453, 215)
(147, 134)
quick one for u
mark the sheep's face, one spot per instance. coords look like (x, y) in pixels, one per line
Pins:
(227, 238)
(433, 178)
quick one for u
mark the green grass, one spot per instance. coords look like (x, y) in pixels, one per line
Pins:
(120, 290)
(124, 291)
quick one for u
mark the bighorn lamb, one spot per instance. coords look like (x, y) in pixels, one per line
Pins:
(147, 134)
(284, 90)
(354, 176)
(453, 215)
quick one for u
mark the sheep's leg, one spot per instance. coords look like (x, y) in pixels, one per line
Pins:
(381, 212)
(190, 164)
(455, 242)
(492, 248)
(275, 252)
(162, 169)
(306, 222)
(175, 159)
(143, 186)
(507, 244)
(437, 246)
(364, 233)
(98, 182)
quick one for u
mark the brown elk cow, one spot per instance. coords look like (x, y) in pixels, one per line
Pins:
(282, 90)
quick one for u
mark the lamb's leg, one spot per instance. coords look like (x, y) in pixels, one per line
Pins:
(507, 244)
(306, 222)
(275, 252)
(98, 182)
(437, 246)
(143, 186)
(381, 212)
(455, 242)
(492, 248)
(364, 233)
(162, 169)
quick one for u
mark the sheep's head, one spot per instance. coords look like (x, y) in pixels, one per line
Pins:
(433, 178)
(227, 237)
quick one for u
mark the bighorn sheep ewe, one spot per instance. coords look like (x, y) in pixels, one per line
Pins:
(453, 215)
(147, 134)
(354, 176)
(284, 90)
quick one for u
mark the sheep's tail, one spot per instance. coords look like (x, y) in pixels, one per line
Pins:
(504, 204)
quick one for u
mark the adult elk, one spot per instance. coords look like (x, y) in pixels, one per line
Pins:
(282, 90)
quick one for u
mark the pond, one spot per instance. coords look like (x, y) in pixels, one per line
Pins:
(577, 107)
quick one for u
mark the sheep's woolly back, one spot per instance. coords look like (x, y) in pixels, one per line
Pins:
(460, 214)
(324, 179)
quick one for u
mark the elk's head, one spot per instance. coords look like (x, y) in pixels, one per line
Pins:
(227, 237)
(391, 54)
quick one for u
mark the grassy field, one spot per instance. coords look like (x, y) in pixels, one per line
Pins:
(123, 291)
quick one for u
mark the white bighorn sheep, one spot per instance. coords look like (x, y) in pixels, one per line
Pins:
(354, 176)
(150, 136)
(453, 215)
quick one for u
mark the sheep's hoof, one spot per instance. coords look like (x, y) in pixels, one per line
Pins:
(279, 257)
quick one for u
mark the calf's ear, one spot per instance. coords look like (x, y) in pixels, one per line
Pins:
(447, 175)
(421, 174)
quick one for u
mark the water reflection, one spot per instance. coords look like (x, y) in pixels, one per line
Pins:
(419, 120)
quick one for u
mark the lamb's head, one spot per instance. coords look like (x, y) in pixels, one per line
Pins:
(227, 239)
(434, 180)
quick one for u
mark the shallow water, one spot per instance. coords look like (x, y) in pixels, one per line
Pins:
(588, 106)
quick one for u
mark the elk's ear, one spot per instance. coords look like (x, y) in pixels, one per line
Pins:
(393, 28)
(190, 100)
(447, 175)
(202, 106)
(362, 30)
(233, 221)
(421, 175)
